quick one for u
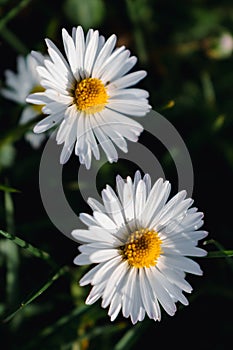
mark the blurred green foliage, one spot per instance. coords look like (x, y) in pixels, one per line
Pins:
(186, 48)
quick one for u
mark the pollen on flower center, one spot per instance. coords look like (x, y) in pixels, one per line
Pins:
(142, 248)
(90, 95)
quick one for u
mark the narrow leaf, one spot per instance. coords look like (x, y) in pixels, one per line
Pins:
(131, 336)
(220, 254)
(36, 294)
(8, 189)
(28, 247)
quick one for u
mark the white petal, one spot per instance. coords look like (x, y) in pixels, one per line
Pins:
(69, 142)
(179, 210)
(95, 293)
(38, 57)
(160, 292)
(70, 52)
(54, 108)
(127, 299)
(120, 187)
(106, 271)
(95, 234)
(81, 143)
(87, 219)
(191, 236)
(12, 95)
(172, 289)
(147, 296)
(88, 277)
(182, 263)
(147, 181)
(91, 138)
(95, 205)
(82, 259)
(137, 312)
(127, 80)
(104, 54)
(105, 142)
(191, 221)
(137, 108)
(58, 58)
(80, 49)
(155, 201)
(137, 178)
(128, 200)
(113, 282)
(50, 72)
(55, 96)
(104, 221)
(38, 98)
(184, 249)
(103, 255)
(35, 140)
(140, 199)
(113, 67)
(115, 306)
(62, 131)
(130, 92)
(125, 126)
(113, 134)
(90, 53)
(90, 248)
(28, 114)
(48, 123)
(168, 209)
(174, 276)
(124, 68)
(113, 207)
(116, 302)
(110, 59)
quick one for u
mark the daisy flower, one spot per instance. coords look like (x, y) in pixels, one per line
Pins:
(19, 85)
(139, 242)
(89, 94)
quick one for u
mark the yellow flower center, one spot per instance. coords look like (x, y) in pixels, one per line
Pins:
(142, 249)
(37, 88)
(90, 95)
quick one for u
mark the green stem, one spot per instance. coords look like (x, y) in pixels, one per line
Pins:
(14, 41)
(13, 12)
(28, 247)
(58, 274)
(139, 36)
(222, 254)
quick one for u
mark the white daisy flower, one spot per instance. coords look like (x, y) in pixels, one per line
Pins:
(140, 243)
(19, 85)
(89, 93)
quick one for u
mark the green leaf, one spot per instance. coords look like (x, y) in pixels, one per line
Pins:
(220, 254)
(87, 13)
(208, 89)
(7, 155)
(5, 188)
(219, 122)
(42, 289)
(13, 12)
(28, 247)
(131, 336)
